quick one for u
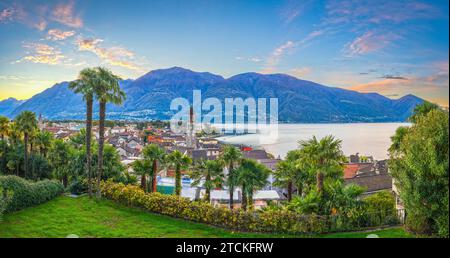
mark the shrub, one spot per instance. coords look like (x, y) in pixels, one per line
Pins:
(78, 187)
(26, 193)
(269, 220)
(380, 208)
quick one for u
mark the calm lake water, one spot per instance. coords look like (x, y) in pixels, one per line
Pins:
(372, 139)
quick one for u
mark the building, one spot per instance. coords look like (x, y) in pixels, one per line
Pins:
(372, 176)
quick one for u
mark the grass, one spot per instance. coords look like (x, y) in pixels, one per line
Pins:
(105, 219)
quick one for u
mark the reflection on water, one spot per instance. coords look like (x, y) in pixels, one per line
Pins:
(365, 138)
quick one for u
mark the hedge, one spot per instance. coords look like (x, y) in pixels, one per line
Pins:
(273, 221)
(26, 193)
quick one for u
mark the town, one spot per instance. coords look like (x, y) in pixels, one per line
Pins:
(130, 138)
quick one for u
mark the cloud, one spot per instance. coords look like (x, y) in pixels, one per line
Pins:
(433, 87)
(300, 72)
(17, 13)
(117, 56)
(293, 9)
(64, 13)
(8, 14)
(393, 77)
(378, 12)
(369, 42)
(42, 53)
(56, 34)
(31, 16)
(276, 55)
(250, 59)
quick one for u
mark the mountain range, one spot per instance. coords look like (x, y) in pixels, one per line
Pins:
(149, 97)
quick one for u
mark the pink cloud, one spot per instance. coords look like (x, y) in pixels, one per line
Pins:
(56, 34)
(380, 11)
(42, 53)
(65, 14)
(117, 56)
(369, 42)
(433, 87)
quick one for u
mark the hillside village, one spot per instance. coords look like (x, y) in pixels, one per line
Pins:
(129, 141)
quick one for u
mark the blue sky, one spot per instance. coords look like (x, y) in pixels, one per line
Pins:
(391, 47)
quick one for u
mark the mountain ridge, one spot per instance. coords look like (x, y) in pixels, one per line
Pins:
(300, 101)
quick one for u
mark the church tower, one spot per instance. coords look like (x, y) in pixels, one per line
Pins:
(191, 141)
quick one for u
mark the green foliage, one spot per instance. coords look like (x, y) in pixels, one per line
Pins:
(211, 171)
(26, 193)
(323, 158)
(5, 198)
(78, 187)
(419, 165)
(153, 155)
(231, 157)
(383, 204)
(422, 110)
(178, 161)
(281, 221)
(251, 176)
(275, 220)
(308, 204)
(39, 168)
(126, 178)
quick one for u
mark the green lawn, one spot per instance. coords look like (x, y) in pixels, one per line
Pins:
(91, 219)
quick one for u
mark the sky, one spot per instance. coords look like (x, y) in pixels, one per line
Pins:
(394, 48)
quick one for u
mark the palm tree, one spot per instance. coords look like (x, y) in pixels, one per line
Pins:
(84, 85)
(289, 172)
(231, 156)
(27, 123)
(324, 157)
(178, 161)
(106, 91)
(4, 127)
(212, 172)
(60, 159)
(251, 176)
(154, 154)
(141, 168)
(44, 141)
(4, 131)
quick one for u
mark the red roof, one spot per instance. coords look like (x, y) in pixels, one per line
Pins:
(350, 170)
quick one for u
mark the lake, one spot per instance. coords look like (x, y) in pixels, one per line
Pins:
(371, 139)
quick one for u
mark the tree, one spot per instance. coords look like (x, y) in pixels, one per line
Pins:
(251, 176)
(4, 131)
(154, 154)
(231, 156)
(211, 171)
(141, 168)
(422, 110)
(112, 163)
(60, 159)
(44, 141)
(84, 85)
(106, 91)
(27, 123)
(15, 159)
(289, 172)
(4, 127)
(323, 157)
(397, 139)
(420, 166)
(178, 161)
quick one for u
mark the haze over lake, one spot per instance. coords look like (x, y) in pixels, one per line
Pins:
(371, 139)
